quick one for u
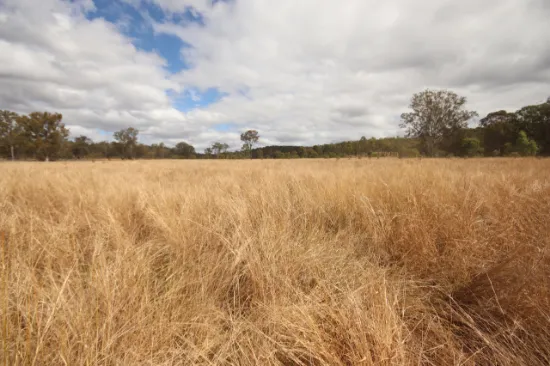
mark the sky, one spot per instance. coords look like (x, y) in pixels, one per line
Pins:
(298, 71)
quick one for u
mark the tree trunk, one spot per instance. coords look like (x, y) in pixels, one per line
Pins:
(429, 145)
(12, 153)
(47, 158)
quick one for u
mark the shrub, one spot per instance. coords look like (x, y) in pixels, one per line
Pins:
(471, 146)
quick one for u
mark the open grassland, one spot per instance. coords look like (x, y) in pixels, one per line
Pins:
(324, 262)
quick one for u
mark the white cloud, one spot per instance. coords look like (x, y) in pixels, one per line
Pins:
(328, 70)
(92, 133)
(302, 72)
(53, 58)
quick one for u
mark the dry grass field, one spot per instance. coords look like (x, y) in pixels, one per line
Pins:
(317, 262)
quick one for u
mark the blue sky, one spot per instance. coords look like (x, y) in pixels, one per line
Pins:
(135, 23)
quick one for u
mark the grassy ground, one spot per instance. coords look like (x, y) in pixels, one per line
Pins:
(323, 262)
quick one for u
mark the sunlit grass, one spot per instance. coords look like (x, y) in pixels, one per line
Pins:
(318, 262)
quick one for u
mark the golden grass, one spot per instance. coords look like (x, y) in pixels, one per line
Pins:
(350, 262)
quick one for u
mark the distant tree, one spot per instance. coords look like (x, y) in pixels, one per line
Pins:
(372, 145)
(102, 149)
(524, 146)
(533, 148)
(535, 121)
(347, 148)
(219, 148)
(496, 118)
(141, 151)
(312, 153)
(154, 151)
(436, 114)
(158, 151)
(127, 138)
(260, 154)
(318, 149)
(499, 128)
(161, 150)
(249, 138)
(10, 131)
(471, 146)
(185, 150)
(45, 133)
(81, 146)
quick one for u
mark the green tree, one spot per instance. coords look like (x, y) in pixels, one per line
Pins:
(158, 150)
(219, 148)
(499, 128)
(45, 134)
(161, 150)
(524, 146)
(471, 146)
(535, 121)
(102, 149)
(436, 114)
(141, 151)
(10, 131)
(318, 149)
(312, 153)
(81, 146)
(183, 149)
(154, 151)
(127, 139)
(249, 138)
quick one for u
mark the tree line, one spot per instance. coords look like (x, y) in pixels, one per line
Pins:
(439, 120)
(437, 125)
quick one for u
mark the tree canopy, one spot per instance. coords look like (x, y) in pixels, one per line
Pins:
(10, 131)
(436, 126)
(45, 133)
(436, 114)
(249, 138)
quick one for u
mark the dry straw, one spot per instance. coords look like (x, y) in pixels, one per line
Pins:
(318, 262)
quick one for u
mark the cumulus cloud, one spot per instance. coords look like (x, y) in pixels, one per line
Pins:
(301, 72)
(340, 69)
(53, 58)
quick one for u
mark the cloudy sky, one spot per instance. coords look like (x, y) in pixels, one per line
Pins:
(299, 71)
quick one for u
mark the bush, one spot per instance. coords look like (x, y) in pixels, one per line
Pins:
(523, 146)
(471, 146)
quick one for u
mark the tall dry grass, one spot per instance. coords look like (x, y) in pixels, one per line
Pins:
(351, 262)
